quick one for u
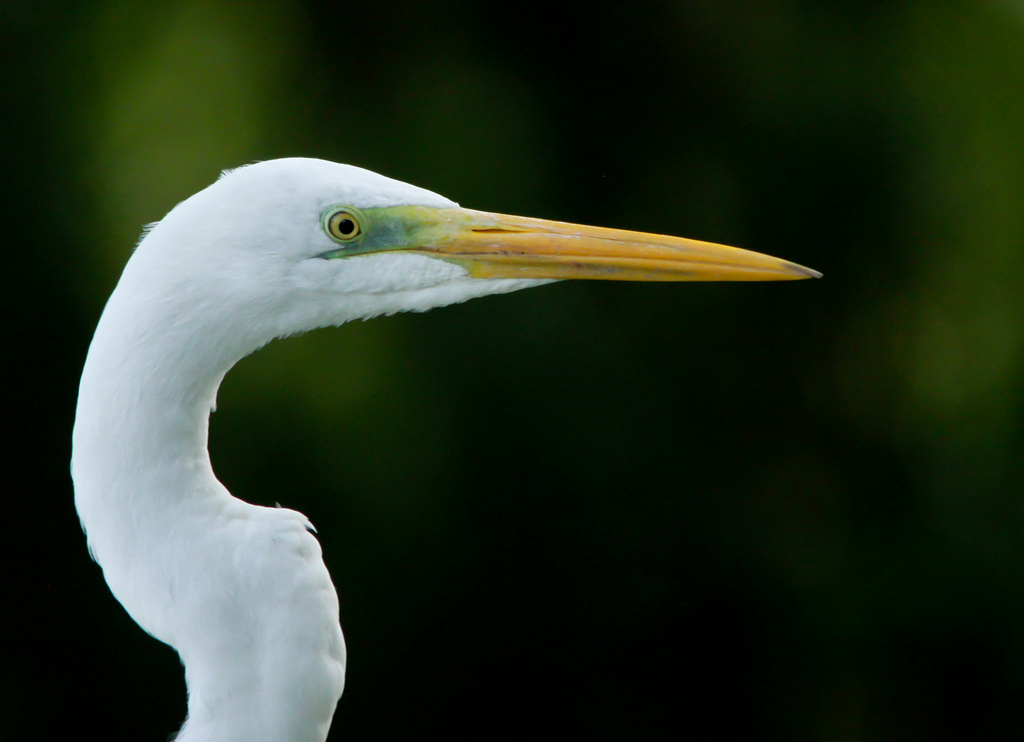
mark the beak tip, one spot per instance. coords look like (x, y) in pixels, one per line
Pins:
(804, 272)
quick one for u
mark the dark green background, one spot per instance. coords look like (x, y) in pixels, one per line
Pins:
(726, 511)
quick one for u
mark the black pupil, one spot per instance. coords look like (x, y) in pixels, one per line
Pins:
(346, 226)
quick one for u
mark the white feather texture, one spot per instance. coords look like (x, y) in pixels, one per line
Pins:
(240, 591)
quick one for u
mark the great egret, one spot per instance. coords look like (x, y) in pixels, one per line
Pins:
(272, 249)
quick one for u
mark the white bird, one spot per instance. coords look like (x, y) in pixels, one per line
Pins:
(273, 249)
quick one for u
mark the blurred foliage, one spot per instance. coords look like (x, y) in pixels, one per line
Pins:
(787, 511)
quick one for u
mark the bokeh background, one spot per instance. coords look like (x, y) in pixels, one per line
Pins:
(760, 511)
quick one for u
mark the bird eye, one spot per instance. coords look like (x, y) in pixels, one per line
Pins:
(343, 225)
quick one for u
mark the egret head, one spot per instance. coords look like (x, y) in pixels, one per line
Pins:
(273, 249)
(297, 243)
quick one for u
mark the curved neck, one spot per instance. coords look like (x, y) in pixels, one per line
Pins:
(143, 418)
(237, 589)
(140, 463)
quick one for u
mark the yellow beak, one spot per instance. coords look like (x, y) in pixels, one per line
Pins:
(500, 246)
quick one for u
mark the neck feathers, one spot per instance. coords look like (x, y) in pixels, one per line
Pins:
(240, 591)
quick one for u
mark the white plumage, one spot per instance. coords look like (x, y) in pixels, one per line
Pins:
(241, 591)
